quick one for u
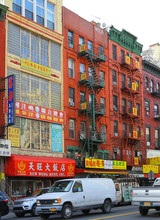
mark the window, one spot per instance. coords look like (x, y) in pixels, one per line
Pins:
(50, 16)
(101, 51)
(81, 42)
(114, 77)
(90, 100)
(114, 52)
(78, 186)
(130, 107)
(115, 103)
(137, 85)
(102, 79)
(148, 138)
(156, 110)
(82, 68)
(91, 78)
(124, 105)
(122, 56)
(17, 6)
(124, 130)
(82, 97)
(71, 128)
(90, 47)
(138, 109)
(152, 86)
(129, 84)
(103, 133)
(29, 9)
(123, 81)
(146, 84)
(71, 96)
(83, 129)
(39, 11)
(71, 68)
(147, 107)
(37, 51)
(130, 130)
(157, 138)
(158, 88)
(70, 39)
(139, 131)
(116, 128)
(102, 105)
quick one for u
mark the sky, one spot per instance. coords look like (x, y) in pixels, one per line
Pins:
(139, 17)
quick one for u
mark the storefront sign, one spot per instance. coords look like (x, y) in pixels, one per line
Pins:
(19, 165)
(14, 136)
(39, 113)
(35, 67)
(136, 160)
(108, 164)
(94, 163)
(56, 137)
(153, 153)
(119, 165)
(137, 169)
(11, 101)
(148, 168)
(153, 161)
(5, 148)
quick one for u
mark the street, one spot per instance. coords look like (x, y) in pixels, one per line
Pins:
(117, 213)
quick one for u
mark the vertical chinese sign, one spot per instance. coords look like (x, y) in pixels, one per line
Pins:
(56, 137)
(11, 100)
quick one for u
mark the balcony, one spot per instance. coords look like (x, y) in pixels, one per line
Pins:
(132, 88)
(130, 113)
(133, 138)
(156, 93)
(86, 107)
(129, 62)
(94, 136)
(96, 55)
(157, 117)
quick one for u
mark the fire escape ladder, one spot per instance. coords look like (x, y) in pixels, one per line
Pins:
(92, 67)
(90, 88)
(96, 104)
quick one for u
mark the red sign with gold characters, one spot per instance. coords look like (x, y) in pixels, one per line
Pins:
(39, 113)
(19, 165)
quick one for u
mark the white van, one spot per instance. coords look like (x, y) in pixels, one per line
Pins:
(84, 194)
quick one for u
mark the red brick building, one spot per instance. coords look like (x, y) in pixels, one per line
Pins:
(126, 98)
(151, 79)
(85, 88)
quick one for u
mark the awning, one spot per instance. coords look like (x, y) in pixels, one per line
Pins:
(39, 166)
(101, 171)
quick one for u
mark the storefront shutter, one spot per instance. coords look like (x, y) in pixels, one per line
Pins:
(13, 39)
(55, 56)
(17, 74)
(55, 96)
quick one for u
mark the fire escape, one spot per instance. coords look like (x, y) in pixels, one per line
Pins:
(92, 109)
(130, 114)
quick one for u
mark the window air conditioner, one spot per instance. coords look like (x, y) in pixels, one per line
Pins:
(115, 108)
(147, 89)
(130, 55)
(71, 104)
(71, 45)
(116, 134)
(148, 143)
(156, 116)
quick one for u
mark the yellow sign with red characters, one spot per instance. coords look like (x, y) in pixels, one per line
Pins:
(135, 134)
(94, 163)
(14, 136)
(82, 47)
(136, 160)
(83, 76)
(134, 111)
(153, 161)
(137, 64)
(128, 59)
(134, 86)
(148, 168)
(83, 106)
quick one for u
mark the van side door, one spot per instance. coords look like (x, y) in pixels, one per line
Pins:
(118, 193)
(78, 197)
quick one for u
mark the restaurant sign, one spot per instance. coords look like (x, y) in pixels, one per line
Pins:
(153, 161)
(148, 168)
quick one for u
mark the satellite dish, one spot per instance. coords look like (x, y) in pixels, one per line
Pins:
(103, 25)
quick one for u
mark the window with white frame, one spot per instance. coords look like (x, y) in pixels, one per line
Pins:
(116, 128)
(114, 77)
(71, 128)
(147, 107)
(115, 103)
(158, 87)
(90, 46)
(148, 136)
(81, 42)
(103, 133)
(70, 39)
(102, 79)
(82, 97)
(156, 110)
(82, 68)
(152, 85)
(71, 96)
(71, 68)
(39, 11)
(83, 129)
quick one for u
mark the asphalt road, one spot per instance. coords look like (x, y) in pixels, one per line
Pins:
(123, 212)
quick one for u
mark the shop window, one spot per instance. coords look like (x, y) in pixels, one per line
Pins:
(71, 128)
(70, 39)
(71, 97)
(114, 77)
(43, 13)
(114, 52)
(71, 68)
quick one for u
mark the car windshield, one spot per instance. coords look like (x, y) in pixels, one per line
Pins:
(61, 186)
(39, 192)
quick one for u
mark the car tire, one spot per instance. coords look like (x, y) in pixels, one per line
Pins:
(86, 211)
(44, 216)
(33, 213)
(19, 214)
(67, 211)
(106, 208)
(143, 211)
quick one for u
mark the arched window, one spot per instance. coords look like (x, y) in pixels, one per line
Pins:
(146, 83)
(152, 85)
(158, 87)
(156, 110)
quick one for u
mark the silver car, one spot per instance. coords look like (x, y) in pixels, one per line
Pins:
(28, 204)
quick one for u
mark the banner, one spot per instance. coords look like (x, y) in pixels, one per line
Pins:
(148, 168)
(56, 131)
(14, 136)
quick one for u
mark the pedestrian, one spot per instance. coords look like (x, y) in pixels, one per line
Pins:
(29, 192)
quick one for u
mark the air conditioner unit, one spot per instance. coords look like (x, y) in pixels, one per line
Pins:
(148, 143)
(71, 45)
(116, 134)
(115, 108)
(156, 116)
(71, 104)
(130, 55)
(147, 89)
(130, 134)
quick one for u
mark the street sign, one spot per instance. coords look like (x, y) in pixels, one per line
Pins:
(151, 175)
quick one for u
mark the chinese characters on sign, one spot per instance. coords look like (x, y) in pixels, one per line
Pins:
(94, 163)
(14, 136)
(11, 104)
(56, 137)
(148, 168)
(5, 148)
(153, 160)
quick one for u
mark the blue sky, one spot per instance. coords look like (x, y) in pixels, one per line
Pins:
(139, 17)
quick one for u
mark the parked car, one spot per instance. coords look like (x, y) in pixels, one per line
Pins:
(84, 194)
(147, 197)
(28, 204)
(4, 209)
